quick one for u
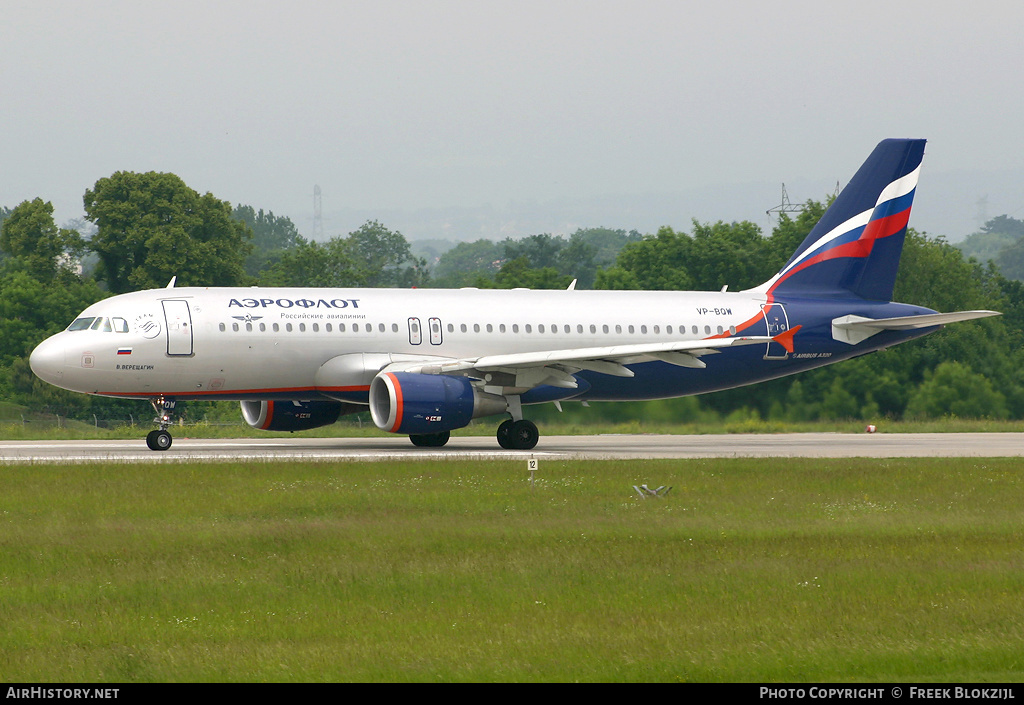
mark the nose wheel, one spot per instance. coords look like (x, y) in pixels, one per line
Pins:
(159, 440)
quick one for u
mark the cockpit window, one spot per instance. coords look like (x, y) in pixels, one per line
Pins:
(101, 324)
(81, 324)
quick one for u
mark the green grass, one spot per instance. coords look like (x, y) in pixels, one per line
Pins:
(755, 571)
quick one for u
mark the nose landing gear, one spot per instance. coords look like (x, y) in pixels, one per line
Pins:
(160, 439)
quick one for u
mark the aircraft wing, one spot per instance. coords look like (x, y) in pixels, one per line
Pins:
(556, 367)
(854, 329)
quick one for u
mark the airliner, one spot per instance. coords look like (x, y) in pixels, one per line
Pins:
(426, 362)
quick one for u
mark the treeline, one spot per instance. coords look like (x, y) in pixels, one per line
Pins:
(1001, 242)
(143, 229)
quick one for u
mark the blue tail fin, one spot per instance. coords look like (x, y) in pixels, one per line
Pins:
(855, 247)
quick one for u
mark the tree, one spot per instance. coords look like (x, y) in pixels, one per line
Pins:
(32, 309)
(461, 265)
(30, 236)
(309, 263)
(151, 227)
(271, 235)
(729, 254)
(518, 273)
(384, 258)
(539, 250)
(954, 389)
(657, 262)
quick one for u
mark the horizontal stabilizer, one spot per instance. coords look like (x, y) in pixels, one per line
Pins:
(853, 329)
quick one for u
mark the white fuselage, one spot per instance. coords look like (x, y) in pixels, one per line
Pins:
(234, 343)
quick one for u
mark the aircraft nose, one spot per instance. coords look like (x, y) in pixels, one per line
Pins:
(47, 361)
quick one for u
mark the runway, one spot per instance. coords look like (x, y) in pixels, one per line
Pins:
(635, 447)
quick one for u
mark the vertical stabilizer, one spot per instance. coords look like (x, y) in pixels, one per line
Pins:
(854, 250)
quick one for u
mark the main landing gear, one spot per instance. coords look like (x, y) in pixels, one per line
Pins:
(160, 439)
(518, 435)
(512, 435)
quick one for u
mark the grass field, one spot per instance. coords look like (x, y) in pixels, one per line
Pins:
(748, 571)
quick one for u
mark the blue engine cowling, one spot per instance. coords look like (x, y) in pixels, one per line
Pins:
(294, 415)
(413, 403)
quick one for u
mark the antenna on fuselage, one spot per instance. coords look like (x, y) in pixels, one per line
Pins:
(170, 284)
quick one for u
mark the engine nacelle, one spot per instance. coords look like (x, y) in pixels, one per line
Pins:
(293, 415)
(413, 403)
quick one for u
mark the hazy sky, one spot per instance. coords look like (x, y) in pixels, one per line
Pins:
(400, 105)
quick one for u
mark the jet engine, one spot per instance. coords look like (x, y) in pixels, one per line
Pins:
(414, 403)
(294, 415)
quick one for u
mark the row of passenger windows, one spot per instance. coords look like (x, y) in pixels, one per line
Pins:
(302, 327)
(580, 329)
(478, 328)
